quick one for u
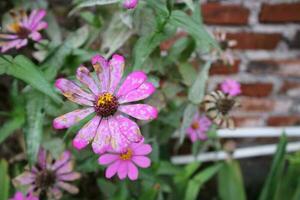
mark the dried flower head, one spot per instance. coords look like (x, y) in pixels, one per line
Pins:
(217, 106)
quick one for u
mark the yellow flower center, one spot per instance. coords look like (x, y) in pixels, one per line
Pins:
(106, 104)
(127, 155)
(17, 28)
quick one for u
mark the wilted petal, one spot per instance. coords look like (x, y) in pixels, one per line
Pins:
(106, 159)
(123, 169)
(140, 111)
(129, 128)
(56, 193)
(69, 176)
(118, 141)
(142, 92)
(141, 161)
(132, 82)
(116, 68)
(84, 76)
(68, 187)
(100, 65)
(42, 158)
(64, 158)
(112, 169)
(66, 168)
(24, 179)
(71, 118)
(102, 139)
(86, 133)
(133, 172)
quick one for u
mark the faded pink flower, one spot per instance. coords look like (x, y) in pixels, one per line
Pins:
(23, 28)
(130, 4)
(49, 176)
(231, 87)
(110, 128)
(124, 164)
(198, 128)
(20, 196)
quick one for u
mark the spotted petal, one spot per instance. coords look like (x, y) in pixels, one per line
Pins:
(132, 82)
(116, 67)
(84, 76)
(102, 139)
(129, 128)
(100, 65)
(142, 92)
(71, 118)
(118, 141)
(140, 111)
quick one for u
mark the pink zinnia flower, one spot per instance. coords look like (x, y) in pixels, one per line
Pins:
(130, 4)
(49, 176)
(125, 163)
(198, 128)
(110, 129)
(20, 196)
(23, 28)
(231, 87)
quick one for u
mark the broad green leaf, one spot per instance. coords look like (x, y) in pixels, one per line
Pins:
(35, 118)
(196, 183)
(5, 63)
(4, 180)
(197, 91)
(188, 171)
(188, 73)
(10, 126)
(230, 181)
(89, 3)
(27, 71)
(188, 116)
(190, 4)
(274, 176)
(53, 30)
(91, 18)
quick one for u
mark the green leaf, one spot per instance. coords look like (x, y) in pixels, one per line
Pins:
(4, 180)
(35, 118)
(27, 71)
(10, 126)
(107, 187)
(91, 18)
(188, 73)
(53, 30)
(189, 4)
(188, 116)
(274, 177)
(77, 38)
(230, 181)
(5, 63)
(89, 3)
(197, 90)
(196, 183)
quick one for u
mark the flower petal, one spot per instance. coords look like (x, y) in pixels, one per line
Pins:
(133, 81)
(100, 65)
(66, 168)
(68, 187)
(123, 169)
(102, 139)
(133, 172)
(5, 46)
(36, 36)
(106, 159)
(64, 158)
(141, 161)
(142, 149)
(129, 128)
(69, 176)
(83, 75)
(24, 179)
(41, 25)
(112, 169)
(69, 119)
(55, 192)
(87, 133)
(36, 18)
(118, 141)
(140, 111)
(8, 36)
(142, 92)
(42, 158)
(116, 68)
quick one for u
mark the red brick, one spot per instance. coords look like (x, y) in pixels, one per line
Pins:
(248, 121)
(256, 89)
(231, 14)
(283, 121)
(219, 68)
(280, 13)
(166, 45)
(288, 86)
(251, 40)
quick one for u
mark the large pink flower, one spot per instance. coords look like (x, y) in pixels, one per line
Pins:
(130, 4)
(49, 176)
(231, 87)
(23, 28)
(110, 128)
(198, 128)
(124, 164)
(20, 196)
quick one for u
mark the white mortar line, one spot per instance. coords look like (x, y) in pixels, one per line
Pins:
(239, 153)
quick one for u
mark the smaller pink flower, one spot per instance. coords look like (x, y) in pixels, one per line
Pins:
(130, 4)
(231, 87)
(125, 163)
(198, 128)
(20, 196)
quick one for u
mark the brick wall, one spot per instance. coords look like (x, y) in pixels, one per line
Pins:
(267, 57)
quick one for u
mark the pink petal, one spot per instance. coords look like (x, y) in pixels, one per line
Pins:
(116, 68)
(133, 172)
(34, 20)
(140, 111)
(102, 139)
(71, 118)
(106, 159)
(41, 25)
(112, 169)
(24, 179)
(142, 92)
(123, 169)
(129, 128)
(118, 141)
(66, 168)
(18, 196)
(130, 4)
(8, 36)
(36, 36)
(42, 158)
(5, 46)
(83, 75)
(69, 176)
(141, 161)
(100, 65)
(56, 193)
(87, 133)
(64, 158)
(68, 187)
(192, 134)
(133, 81)
(142, 149)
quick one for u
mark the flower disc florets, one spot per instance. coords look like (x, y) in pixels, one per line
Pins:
(106, 104)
